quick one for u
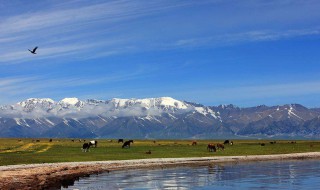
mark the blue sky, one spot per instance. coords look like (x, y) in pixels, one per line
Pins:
(212, 52)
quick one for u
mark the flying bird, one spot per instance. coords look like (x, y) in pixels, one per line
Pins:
(34, 50)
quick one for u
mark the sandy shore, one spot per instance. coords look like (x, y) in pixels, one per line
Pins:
(46, 176)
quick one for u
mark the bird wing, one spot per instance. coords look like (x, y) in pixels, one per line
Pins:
(34, 49)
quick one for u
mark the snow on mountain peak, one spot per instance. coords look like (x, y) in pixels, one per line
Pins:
(168, 101)
(70, 101)
(75, 108)
(120, 102)
(147, 103)
(36, 101)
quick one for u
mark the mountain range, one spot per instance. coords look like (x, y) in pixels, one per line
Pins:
(151, 118)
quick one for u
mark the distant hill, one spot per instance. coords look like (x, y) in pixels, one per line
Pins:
(162, 117)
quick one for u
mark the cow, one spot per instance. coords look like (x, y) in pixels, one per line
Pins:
(120, 140)
(211, 148)
(93, 143)
(85, 147)
(50, 140)
(127, 144)
(220, 146)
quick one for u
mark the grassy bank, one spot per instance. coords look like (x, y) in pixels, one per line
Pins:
(25, 151)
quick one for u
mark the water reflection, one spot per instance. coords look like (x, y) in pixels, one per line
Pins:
(257, 175)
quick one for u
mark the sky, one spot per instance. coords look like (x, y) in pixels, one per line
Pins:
(213, 52)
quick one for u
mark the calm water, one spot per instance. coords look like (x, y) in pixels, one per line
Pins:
(255, 175)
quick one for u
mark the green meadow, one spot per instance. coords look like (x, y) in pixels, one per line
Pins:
(26, 151)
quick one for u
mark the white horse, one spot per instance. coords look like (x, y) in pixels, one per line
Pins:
(94, 143)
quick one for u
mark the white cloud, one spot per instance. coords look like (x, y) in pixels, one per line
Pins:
(243, 37)
(101, 29)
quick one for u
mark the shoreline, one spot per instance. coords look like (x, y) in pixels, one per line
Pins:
(53, 175)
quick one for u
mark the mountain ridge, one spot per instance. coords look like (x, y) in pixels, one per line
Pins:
(162, 117)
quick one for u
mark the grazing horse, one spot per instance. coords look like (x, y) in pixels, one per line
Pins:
(93, 143)
(226, 142)
(220, 146)
(194, 143)
(211, 148)
(85, 147)
(127, 144)
(120, 140)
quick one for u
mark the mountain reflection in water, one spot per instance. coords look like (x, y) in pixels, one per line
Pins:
(254, 175)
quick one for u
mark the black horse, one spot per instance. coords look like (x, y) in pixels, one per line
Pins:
(120, 140)
(85, 147)
(127, 144)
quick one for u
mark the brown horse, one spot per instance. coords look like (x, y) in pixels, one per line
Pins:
(211, 148)
(194, 143)
(220, 146)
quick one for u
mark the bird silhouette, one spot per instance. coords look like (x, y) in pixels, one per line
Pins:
(34, 50)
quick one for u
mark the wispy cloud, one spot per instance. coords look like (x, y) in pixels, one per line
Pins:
(103, 29)
(64, 32)
(243, 37)
(119, 36)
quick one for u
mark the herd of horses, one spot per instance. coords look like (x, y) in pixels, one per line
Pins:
(126, 144)
(214, 147)
(86, 146)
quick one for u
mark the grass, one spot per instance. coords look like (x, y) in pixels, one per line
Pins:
(13, 151)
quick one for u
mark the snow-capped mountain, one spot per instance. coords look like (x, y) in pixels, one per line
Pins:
(285, 120)
(75, 108)
(149, 117)
(162, 117)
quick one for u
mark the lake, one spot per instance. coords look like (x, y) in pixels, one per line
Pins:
(302, 174)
